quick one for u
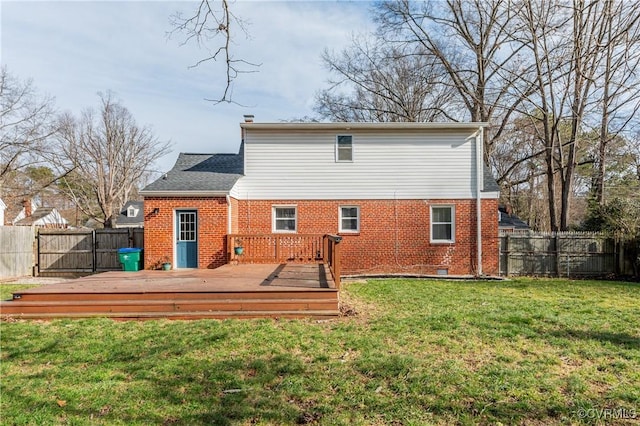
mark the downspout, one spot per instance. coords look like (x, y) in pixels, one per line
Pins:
(229, 230)
(479, 185)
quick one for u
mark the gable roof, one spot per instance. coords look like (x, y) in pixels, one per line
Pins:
(193, 174)
(123, 217)
(510, 221)
(43, 216)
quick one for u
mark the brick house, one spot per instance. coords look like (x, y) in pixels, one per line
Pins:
(403, 196)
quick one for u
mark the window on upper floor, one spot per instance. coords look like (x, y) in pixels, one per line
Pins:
(443, 224)
(344, 148)
(285, 219)
(132, 211)
(349, 219)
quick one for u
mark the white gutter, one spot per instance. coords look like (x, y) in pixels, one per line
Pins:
(184, 193)
(479, 185)
(365, 126)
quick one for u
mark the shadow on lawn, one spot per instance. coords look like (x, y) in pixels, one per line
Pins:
(625, 340)
(201, 392)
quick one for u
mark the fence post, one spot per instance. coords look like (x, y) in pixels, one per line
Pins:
(277, 248)
(507, 255)
(558, 260)
(37, 256)
(94, 244)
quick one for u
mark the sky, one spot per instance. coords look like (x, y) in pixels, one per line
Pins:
(74, 49)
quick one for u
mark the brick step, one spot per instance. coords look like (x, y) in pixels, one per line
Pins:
(16, 307)
(328, 294)
(322, 314)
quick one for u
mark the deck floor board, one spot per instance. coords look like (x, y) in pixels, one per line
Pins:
(226, 291)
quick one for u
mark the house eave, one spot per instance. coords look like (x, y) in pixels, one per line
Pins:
(366, 126)
(184, 193)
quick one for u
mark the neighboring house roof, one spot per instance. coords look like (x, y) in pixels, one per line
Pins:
(206, 174)
(43, 216)
(131, 215)
(510, 221)
(16, 211)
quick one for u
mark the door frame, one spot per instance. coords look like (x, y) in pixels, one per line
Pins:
(176, 239)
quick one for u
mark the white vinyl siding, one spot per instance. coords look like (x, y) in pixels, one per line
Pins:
(297, 165)
(349, 218)
(285, 219)
(443, 229)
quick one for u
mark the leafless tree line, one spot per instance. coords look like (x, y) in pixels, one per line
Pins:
(556, 80)
(96, 160)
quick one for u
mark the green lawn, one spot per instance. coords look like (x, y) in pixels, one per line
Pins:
(7, 290)
(533, 352)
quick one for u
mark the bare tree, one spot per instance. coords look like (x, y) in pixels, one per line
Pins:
(472, 41)
(570, 44)
(618, 83)
(213, 26)
(27, 121)
(384, 84)
(110, 154)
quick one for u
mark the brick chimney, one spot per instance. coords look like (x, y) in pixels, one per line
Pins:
(248, 118)
(27, 207)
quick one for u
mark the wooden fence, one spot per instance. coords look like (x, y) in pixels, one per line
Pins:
(16, 251)
(84, 251)
(562, 254)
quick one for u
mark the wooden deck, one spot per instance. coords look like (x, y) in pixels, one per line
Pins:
(231, 291)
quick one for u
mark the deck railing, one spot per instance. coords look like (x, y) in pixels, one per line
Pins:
(332, 256)
(286, 248)
(275, 248)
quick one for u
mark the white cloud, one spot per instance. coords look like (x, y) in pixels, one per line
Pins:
(72, 50)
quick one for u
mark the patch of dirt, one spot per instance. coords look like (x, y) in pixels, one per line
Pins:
(347, 310)
(34, 280)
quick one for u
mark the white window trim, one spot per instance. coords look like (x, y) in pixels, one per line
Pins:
(453, 224)
(273, 218)
(132, 211)
(348, 231)
(337, 150)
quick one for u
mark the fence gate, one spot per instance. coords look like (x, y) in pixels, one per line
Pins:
(65, 251)
(85, 251)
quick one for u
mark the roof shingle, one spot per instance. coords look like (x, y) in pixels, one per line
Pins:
(201, 172)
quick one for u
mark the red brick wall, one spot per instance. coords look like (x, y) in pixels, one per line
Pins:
(393, 237)
(394, 234)
(159, 229)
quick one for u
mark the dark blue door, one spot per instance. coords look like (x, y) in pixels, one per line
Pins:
(187, 238)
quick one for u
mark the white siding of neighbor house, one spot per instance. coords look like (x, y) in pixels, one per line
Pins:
(386, 165)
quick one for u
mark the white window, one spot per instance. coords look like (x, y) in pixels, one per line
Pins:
(285, 219)
(443, 228)
(349, 219)
(132, 211)
(344, 148)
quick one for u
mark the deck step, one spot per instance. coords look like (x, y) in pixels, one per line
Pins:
(321, 314)
(181, 305)
(328, 294)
